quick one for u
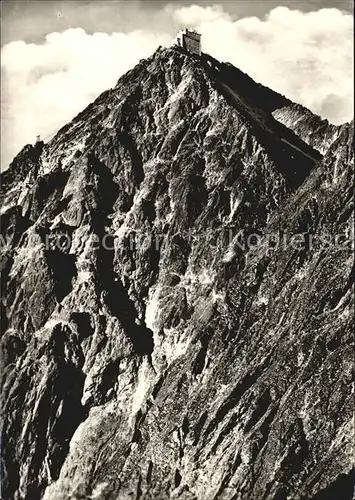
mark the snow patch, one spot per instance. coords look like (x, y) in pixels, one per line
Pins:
(229, 255)
(45, 168)
(84, 277)
(142, 387)
(173, 347)
(99, 490)
(121, 231)
(298, 149)
(218, 296)
(152, 309)
(234, 204)
(263, 300)
(206, 277)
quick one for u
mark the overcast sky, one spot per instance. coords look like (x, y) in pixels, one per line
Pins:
(58, 55)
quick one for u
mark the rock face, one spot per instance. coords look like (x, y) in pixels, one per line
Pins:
(163, 335)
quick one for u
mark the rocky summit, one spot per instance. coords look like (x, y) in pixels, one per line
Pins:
(177, 296)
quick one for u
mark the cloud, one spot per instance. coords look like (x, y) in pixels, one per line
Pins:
(45, 85)
(195, 14)
(306, 56)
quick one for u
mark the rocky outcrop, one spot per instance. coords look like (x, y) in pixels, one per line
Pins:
(314, 130)
(164, 335)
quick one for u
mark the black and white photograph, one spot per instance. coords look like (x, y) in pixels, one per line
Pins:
(177, 250)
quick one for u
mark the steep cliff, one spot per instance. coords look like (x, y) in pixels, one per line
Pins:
(163, 336)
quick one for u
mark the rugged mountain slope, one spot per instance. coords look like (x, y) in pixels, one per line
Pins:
(311, 128)
(151, 349)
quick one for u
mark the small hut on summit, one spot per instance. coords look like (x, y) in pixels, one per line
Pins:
(190, 40)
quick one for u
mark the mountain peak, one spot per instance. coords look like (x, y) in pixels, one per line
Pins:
(178, 85)
(167, 335)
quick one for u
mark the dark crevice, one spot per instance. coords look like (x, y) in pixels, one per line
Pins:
(227, 429)
(115, 295)
(261, 407)
(232, 400)
(109, 376)
(199, 361)
(185, 426)
(127, 141)
(139, 489)
(198, 427)
(149, 472)
(177, 478)
(83, 322)
(63, 266)
(121, 306)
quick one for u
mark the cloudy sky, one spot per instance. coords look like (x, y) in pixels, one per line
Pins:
(58, 55)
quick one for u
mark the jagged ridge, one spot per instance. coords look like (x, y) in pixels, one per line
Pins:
(176, 351)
